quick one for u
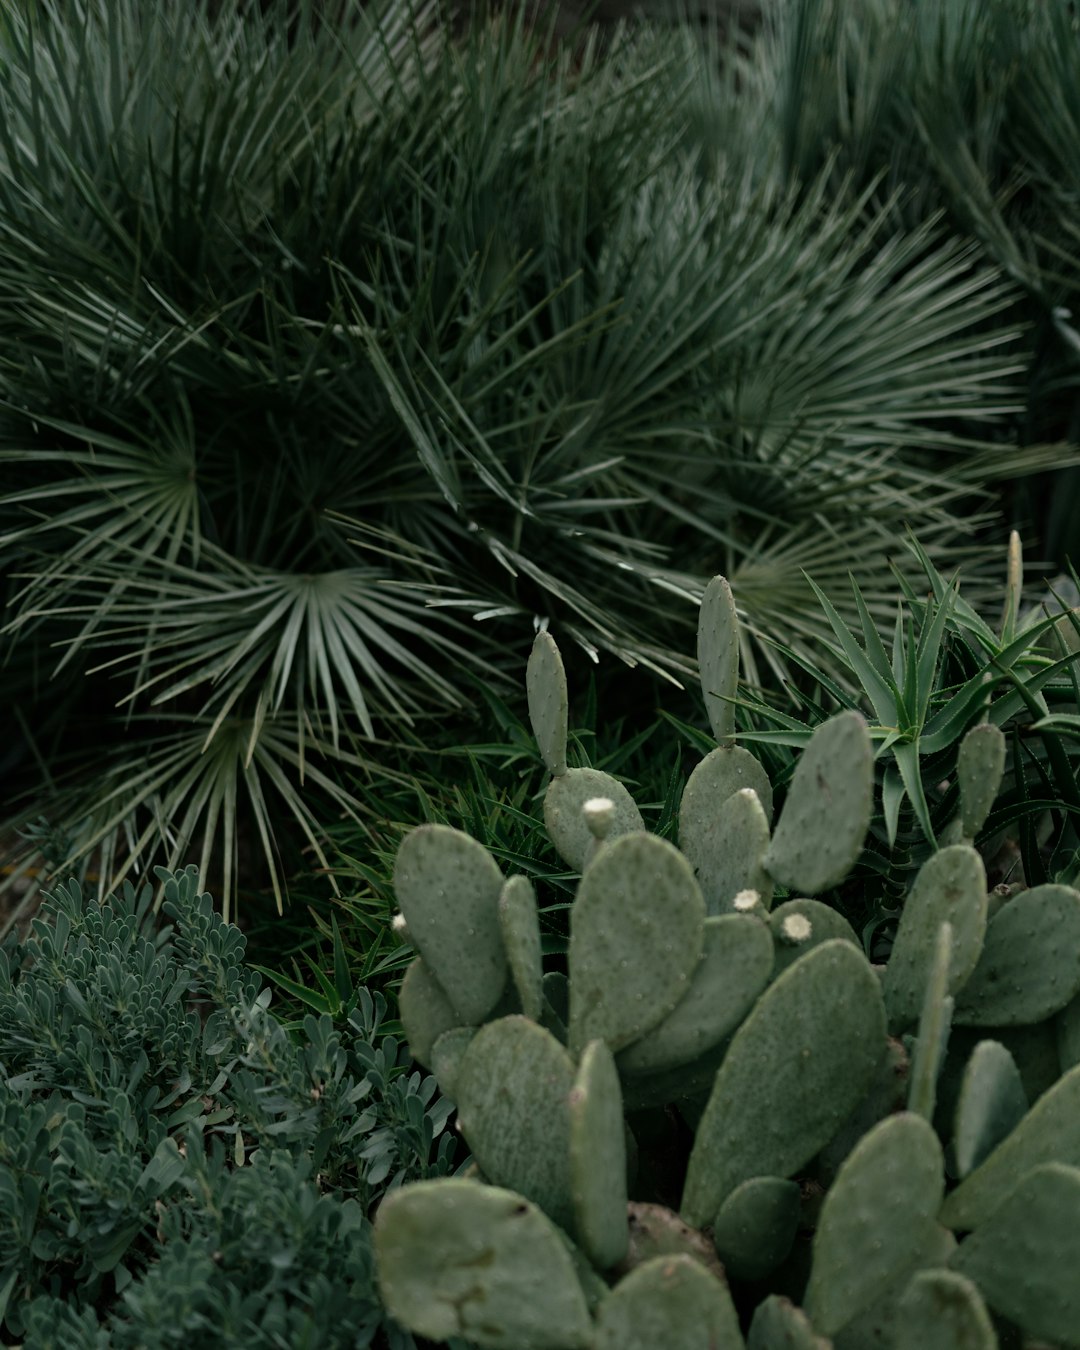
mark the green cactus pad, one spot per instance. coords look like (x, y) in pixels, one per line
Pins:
(732, 973)
(1025, 1256)
(564, 812)
(718, 657)
(456, 1258)
(1067, 1026)
(520, 925)
(670, 1301)
(779, 1325)
(980, 764)
(448, 887)
(1030, 963)
(941, 1310)
(545, 684)
(1050, 1132)
(756, 1226)
(513, 1086)
(796, 1068)
(827, 812)
(934, 1026)
(950, 888)
(636, 937)
(876, 1325)
(878, 1216)
(447, 1055)
(793, 941)
(598, 1158)
(727, 852)
(720, 774)
(992, 1103)
(426, 1012)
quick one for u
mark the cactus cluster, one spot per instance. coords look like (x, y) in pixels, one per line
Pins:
(865, 1167)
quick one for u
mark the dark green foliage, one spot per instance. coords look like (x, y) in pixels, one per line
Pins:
(175, 1168)
(334, 335)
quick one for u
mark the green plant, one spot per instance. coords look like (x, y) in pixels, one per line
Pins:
(811, 1097)
(174, 1166)
(939, 704)
(288, 390)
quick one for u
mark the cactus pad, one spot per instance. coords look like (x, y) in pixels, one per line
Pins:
(598, 1158)
(636, 937)
(941, 1310)
(934, 1026)
(564, 813)
(732, 973)
(456, 1258)
(545, 684)
(446, 1056)
(877, 1219)
(448, 888)
(513, 1086)
(1030, 962)
(980, 764)
(426, 1012)
(721, 773)
(796, 1068)
(779, 1325)
(950, 888)
(756, 1226)
(1025, 1256)
(670, 1301)
(793, 941)
(827, 812)
(520, 925)
(718, 657)
(992, 1103)
(728, 856)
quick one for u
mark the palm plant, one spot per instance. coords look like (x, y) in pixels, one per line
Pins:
(343, 335)
(968, 109)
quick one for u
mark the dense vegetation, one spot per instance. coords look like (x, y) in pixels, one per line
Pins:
(338, 358)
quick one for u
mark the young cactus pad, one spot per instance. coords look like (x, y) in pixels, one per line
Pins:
(670, 1301)
(779, 1325)
(718, 657)
(545, 684)
(879, 1215)
(636, 936)
(796, 1068)
(448, 887)
(756, 1226)
(598, 1158)
(991, 1104)
(520, 925)
(827, 812)
(941, 1310)
(456, 1258)
(950, 888)
(980, 764)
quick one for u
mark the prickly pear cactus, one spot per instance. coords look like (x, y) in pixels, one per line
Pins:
(711, 1107)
